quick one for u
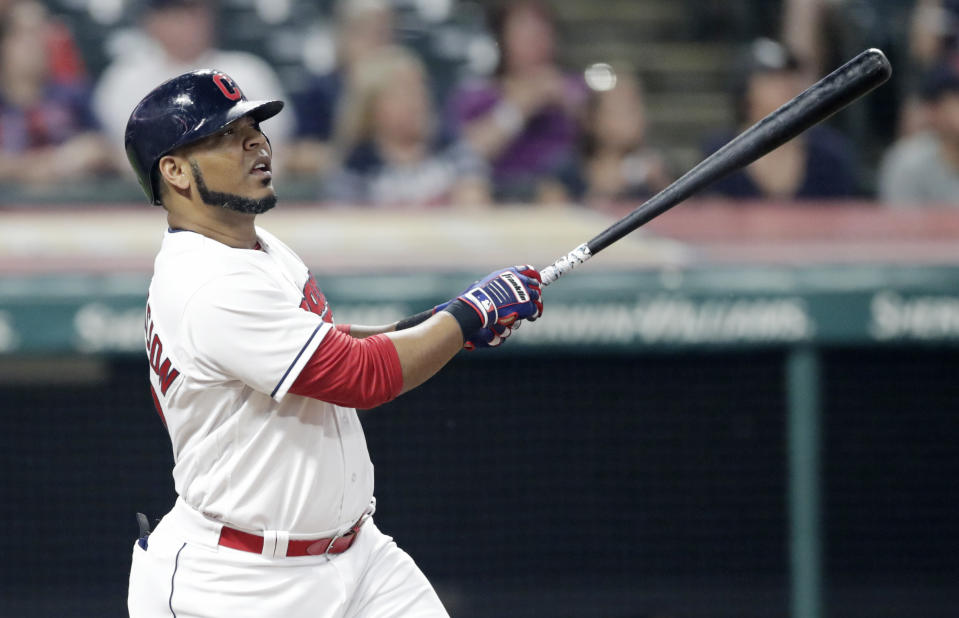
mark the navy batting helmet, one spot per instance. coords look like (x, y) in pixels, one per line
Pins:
(181, 111)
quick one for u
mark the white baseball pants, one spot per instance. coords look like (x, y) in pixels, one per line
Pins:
(184, 573)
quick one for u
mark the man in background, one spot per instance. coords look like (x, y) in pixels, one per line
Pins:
(179, 37)
(924, 168)
(817, 165)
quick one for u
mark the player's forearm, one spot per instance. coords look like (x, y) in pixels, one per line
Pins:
(424, 349)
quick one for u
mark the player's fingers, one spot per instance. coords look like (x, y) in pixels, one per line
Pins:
(530, 282)
(529, 271)
(535, 292)
(535, 295)
(507, 320)
(483, 337)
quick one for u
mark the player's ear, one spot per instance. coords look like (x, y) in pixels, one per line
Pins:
(176, 171)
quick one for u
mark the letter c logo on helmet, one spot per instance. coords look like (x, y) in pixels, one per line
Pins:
(227, 86)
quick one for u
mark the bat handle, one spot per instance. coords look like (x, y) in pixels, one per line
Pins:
(565, 264)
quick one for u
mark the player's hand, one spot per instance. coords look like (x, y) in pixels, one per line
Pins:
(490, 337)
(484, 337)
(495, 305)
(505, 296)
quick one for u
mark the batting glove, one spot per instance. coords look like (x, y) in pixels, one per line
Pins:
(484, 337)
(489, 337)
(498, 301)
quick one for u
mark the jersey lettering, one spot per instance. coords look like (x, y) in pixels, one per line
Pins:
(227, 86)
(162, 367)
(314, 300)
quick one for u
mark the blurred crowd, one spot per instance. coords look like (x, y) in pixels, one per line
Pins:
(372, 130)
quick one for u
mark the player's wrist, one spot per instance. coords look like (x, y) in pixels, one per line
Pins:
(467, 316)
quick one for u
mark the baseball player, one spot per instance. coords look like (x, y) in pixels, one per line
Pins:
(257, 386)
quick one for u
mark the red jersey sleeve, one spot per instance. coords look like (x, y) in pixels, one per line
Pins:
(356, 373)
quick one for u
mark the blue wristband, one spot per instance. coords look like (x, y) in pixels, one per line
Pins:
(467, 317)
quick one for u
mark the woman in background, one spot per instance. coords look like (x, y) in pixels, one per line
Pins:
(47, 130)
(362, 27)
(392, 153)
(524, 121)
(616, 164)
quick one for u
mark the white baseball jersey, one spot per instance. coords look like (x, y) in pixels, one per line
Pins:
(227, 332)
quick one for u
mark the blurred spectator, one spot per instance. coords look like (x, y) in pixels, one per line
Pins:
(179, 38)
(524, 121)
(934, 32)
(924, 168)
(66, 63)
(362, 27)
(615, 163)
(64, 59)
(933, 37)
(393, 153)
(816, 165)
(809, 32)
(47, 131)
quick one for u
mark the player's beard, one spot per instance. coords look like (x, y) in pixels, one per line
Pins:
(231, 201)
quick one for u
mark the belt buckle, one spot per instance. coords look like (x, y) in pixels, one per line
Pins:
(354, 528)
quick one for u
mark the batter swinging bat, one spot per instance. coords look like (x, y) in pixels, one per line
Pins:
(821, 100)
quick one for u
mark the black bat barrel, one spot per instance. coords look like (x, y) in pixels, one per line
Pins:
(820, 101)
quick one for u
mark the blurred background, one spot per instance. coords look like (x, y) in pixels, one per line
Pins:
(748, 408)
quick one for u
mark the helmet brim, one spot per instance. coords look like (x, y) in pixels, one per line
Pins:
(258, 110)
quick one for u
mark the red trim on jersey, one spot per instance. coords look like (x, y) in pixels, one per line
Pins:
(343, 328)
(156, 404)
(356, 373)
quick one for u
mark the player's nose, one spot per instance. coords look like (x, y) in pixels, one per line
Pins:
(254, 139)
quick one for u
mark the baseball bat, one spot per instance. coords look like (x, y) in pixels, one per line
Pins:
(830, 94)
